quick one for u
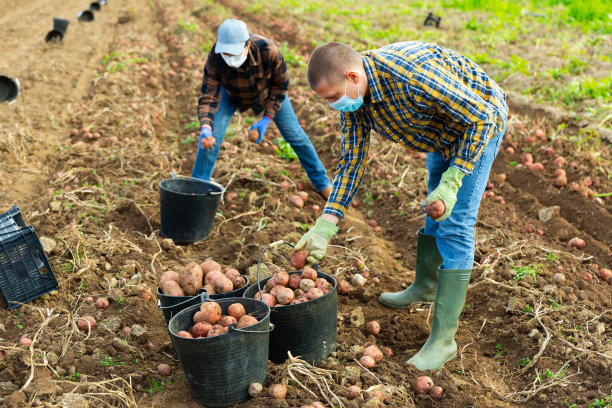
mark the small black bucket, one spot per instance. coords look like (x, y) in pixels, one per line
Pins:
(188, 207)
(219, 369)
(171, 305)
(307, 330)
(9, 89)
(59, 29)
(95, 6)
(86, 16)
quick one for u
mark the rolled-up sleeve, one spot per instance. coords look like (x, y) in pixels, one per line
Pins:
(208, 102)
(433, 86)
(351, 167)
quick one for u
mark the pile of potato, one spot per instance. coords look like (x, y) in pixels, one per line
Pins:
(284, 289)
(192, 277)
(209, 322)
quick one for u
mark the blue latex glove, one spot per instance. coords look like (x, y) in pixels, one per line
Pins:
(205, 132)
(261, 127)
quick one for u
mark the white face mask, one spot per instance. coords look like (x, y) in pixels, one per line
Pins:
(235, 61)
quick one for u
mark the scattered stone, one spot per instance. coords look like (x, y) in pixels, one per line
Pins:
(350, 374)
(138, 331)
(129, 270)
(112, 323)
(48, 244)
(55, 206)
(121, 345)
(356, 317)
(546, 214)
(167, 244)
(16, 399)
(600, 328)
(8, 387)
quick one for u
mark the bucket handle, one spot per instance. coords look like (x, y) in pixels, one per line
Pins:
(209, 193)
(233, 327)
(203, 295)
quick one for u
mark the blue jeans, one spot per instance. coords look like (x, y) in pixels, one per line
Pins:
(455, 235)
(287, 124)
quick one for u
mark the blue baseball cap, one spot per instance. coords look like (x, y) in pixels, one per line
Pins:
(231, 37)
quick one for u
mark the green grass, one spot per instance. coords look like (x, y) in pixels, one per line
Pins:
(531, 270)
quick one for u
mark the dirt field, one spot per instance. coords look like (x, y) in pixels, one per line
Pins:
(107, 113)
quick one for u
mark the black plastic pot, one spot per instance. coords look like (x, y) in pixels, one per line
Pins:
(86, 16)
(219, 369)
(95, 6)
(305, 329)
(59, 29)
(171, 305)
(9, 89)
(188, 207)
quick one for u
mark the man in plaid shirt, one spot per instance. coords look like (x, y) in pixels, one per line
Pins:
(248, 71)
(430, 99)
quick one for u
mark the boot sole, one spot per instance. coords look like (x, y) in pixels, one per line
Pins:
(403, 307)
(451, 358)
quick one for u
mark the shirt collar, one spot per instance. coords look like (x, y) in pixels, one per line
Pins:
(373, 80)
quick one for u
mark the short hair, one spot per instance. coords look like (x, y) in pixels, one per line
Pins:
(330, 61)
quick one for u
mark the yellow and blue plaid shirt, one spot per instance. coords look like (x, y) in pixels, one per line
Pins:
(425, 97)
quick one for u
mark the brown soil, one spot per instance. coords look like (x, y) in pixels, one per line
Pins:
(132, 77)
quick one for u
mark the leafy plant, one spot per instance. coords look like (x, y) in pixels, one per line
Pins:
(524, 361)
(284, 151)
(528, 270)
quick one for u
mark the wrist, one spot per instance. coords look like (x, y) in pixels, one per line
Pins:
(206, 126)
(325, 228)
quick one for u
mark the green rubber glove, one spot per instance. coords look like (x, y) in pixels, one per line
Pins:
(447, 190)
(317, 239)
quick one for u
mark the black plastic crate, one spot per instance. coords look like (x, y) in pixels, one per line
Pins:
(11, 221)
(25, 272)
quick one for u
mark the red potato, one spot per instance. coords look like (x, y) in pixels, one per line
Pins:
(604, 273)
(587, 277)
(576, 243)
(25, 341)
(225, 321)
(559, 172)
(298, 293)
(527, 159)
(373, 352)
(208, 266)
(172, 288)
(190, 278)
(298, 260)
(245, 321)
(314, 293)
(558, 277)
(549, 151)
(223, 285)
(270, 284)
(561, 181)
(559, 161)
(373, 327)
(184, 334)
(269, 299)
(422, 385)
(253, 135)
(284, 185)
(168, 275)
(285, 296)
(231, 273)
(537, 166)
(102, 303)
(212, 276)
(303, 195)
(436, 392)
(238, 282)
(436, 209)
(211, 312)
(376, 394)
(278, 391)
(281, 277)
(367, 361)
(388, 352)
(306, 284)
(216, 330)
(296, 201)
(207, 142)
(236, 310)
(343, 287)
(164, 369)
(201, 329)
(86, 323)
(274, 291)
(309, 273)
(294, 281)
(353, 392)
(89, 299)
(210, 289)
(324, 285)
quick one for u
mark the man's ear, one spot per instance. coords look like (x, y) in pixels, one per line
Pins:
(353, 76)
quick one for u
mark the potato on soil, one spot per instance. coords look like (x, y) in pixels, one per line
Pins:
(102, 303)
(373, 352)
(86, 322)
(343, 287)
(278, 391)
(604, 273)
(164, 369)
(172, 288)
(255, 389)
(436, 209)
(168, 275)
(281, 277)
(561, 181)
(190, 278)
(285, 296)
(367, 361)
(223, 285)
(576, 243)
(298, 260)
(236, 310)
(184, 334)
(358, 280)
(303, 195)
(201, 329)
(245, 321)
(436, 392)
(212, 276)
(296, 201)
(353, 392)
(422, 385)
(209, 265)
(309, 273)
(211, 312)
(373, 327)
(25, 341)
(207, 142)
(294, 281)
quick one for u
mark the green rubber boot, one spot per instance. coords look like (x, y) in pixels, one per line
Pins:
(423, 288)
(440, 347)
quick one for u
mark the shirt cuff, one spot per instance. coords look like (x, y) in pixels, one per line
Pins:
(335, 209)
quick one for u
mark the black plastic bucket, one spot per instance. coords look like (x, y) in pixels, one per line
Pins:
(59, 29)
(95, 6)
(188, 207)
(171, 305)
(9, 89)
(86, 16)
(219, 369)
(306, 329)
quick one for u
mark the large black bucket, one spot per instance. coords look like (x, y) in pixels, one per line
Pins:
(9, 89)
(306, 329)
(188, 207)
(219, 369)
(171, 305)
(60, 26)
